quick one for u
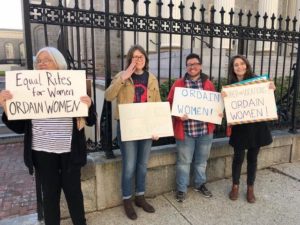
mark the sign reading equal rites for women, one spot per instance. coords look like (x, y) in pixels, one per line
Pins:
(41, 94)
(249, 103)
(198, 104)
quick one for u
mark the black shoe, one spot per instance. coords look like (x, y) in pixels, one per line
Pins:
(140, 201)
(129, 210)
(206, 193)
(180, 196)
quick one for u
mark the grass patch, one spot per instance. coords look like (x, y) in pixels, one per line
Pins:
(2, 73)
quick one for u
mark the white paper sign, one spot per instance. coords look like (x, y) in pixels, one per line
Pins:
(46, 94)
(198, 104)
(142, 120)
(249, 103)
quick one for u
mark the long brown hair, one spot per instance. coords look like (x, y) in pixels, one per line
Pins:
(130, 55)
(232, 75)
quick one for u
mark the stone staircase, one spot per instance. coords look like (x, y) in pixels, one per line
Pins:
(6, 135)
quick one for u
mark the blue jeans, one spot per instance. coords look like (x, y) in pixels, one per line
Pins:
(135, 156)
(192, 148)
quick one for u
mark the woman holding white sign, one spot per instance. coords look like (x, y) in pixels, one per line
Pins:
(55, 148)
(134, 85)
(250, 136)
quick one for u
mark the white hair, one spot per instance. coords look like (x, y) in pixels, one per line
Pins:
(56, 56)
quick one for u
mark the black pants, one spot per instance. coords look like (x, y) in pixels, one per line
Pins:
(238, 158)
(56, 174)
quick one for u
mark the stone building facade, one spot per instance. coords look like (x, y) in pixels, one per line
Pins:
(11, 45)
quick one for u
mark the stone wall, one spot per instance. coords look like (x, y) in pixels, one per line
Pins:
(101, 177)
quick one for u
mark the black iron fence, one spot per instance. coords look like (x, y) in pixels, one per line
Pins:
(270, 42)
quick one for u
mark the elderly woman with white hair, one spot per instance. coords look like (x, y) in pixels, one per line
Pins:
(55, 148)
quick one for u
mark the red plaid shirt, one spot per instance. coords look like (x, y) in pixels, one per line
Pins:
(194, 128)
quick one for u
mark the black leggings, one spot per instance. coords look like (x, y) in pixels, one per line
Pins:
(56, 175)
(238, 158)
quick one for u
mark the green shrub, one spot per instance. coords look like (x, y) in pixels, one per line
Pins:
(164, 89)
(2, 73)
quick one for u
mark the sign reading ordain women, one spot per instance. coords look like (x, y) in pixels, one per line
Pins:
(41, 94)
(249, 103)
(198, 104)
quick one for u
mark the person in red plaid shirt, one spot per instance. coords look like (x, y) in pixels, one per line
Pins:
(193, 137)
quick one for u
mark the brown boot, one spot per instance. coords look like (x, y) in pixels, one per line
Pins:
(234, 193)
(250, 194)
(129, 210)
(140, 201)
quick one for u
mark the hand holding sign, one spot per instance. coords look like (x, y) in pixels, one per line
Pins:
(86, 100)
(4, 96)
(184, 117)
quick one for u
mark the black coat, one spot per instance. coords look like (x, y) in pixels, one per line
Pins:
(78, 143)
(250, 135)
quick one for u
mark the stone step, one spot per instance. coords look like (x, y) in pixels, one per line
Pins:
(11, 138)
(4, 129)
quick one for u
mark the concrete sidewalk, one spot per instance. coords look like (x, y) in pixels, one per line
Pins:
(278, 202)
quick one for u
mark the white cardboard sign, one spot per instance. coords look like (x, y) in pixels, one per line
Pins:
(142, 120)
(46, 94)
(198, 104)
(249, 103)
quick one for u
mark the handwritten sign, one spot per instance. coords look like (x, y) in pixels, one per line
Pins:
(198, 104)
(142, 120)
(254, 79)
(249, 103)
(45, 94)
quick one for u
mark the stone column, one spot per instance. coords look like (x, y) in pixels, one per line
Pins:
(297, 12)
(269, 7)
(227, 5)
(141, 39)
(188, 16)
(165, 38)
(128, 35)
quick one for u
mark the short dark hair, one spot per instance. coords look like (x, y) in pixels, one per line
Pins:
(193, 56)
(130, 55)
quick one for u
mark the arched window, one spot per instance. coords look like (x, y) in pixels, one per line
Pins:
(9, 51)
(22, 50)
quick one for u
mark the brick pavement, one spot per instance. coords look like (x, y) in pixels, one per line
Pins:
(17, 187)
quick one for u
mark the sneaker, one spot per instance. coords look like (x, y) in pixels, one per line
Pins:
(206, 193)
(180, 196)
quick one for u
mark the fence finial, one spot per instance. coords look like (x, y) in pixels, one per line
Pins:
(202, 11)
(181, 8)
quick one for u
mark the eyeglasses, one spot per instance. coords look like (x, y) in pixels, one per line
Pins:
(44, 61)
(191, 65)
(140, 58)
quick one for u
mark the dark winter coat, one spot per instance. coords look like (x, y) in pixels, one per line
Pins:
(250, 135)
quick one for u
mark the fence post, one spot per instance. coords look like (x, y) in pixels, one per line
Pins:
(241, 43)
(27, 34)
(296, 90)
(107, 143)
(29, 60)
